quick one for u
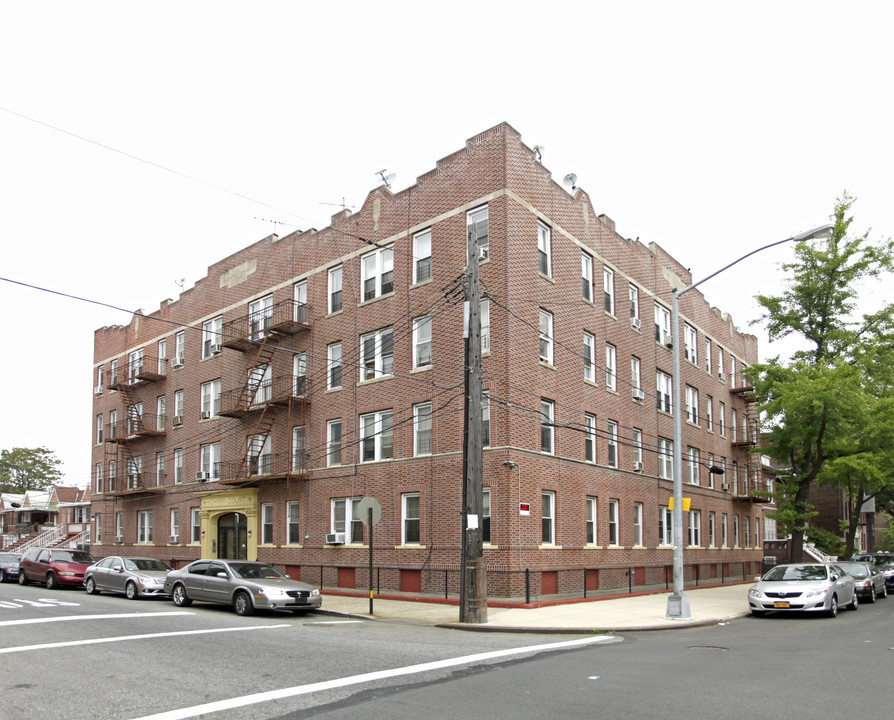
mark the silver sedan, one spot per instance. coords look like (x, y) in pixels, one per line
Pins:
(245, 586)
(803, 587)
(135, 577)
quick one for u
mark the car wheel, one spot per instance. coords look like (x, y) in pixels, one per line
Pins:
(3, 577)
(884, 591)
(833, 607)
(872, 594)
(90, 586)
(855, 603)
(22, 579)
(52, 582)
(242, 604)
(179, 597)
(131, 591)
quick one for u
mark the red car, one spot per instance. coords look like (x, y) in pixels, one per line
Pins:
(56, 567)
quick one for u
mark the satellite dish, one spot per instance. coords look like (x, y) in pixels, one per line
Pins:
(538, 151)
(387, 179)
(570, 180)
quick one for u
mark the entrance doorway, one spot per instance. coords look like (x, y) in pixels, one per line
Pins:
(232, 536)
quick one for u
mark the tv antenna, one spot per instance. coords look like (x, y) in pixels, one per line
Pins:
(387, 179)
(570, 180)
(538, 152)
(180, 283)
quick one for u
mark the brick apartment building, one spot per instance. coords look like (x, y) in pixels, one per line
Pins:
(247, 418)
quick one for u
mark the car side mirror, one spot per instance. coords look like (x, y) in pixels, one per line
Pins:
(833, 576)
(222, 574)
(118, 568)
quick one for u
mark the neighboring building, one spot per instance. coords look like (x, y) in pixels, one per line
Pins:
(62, 509)
(831, 504)
(306, 372)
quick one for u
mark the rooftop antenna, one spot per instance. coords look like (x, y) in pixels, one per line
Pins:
(538, 151)
(387, 179)
(570, 180)
(180, 283)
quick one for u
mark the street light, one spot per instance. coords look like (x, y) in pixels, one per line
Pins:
(677, 602)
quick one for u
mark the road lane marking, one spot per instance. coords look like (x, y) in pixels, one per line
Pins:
(58, 602)
(125, 638)
(221, 705)
(9, 604)
(336, 622)
(68, 618)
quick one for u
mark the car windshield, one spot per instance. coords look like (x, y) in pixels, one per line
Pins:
(886, 565)
(256, 571)
(146, 565)
(797, 572)
(72, 556)
(855, 570)
(9, 557)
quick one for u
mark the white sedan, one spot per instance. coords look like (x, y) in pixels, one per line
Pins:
(803, 587)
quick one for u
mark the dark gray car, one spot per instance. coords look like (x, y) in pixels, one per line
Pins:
(135, 577)
(870, 581)
(9, 566)
(245, 586)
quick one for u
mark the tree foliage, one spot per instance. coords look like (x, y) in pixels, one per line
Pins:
(24, 469)
(827, 408)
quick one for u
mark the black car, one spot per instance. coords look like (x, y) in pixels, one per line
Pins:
(9, 566)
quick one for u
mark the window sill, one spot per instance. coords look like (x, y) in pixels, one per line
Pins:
(421, 283)
(544, 363)
(613, 391)
(293, 546)
(334, 389)
(409, 547)
(591, 383)
(488, 546)
(549, 547)
(593, 547)
(546, 277)
(423, 368)
(639, 547)
(376, 299)
(346, 546)
(370, 381)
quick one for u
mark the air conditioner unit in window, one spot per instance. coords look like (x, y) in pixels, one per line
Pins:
(724, 486)
(97, 390)
(638, 466)
(335, 539)
(638, 393)
(175, 539)
(215, 348)
(206, 415)
(178, 420)
(666, 339)
(119, 538)
(202, 476)
(177, 362)
(721, 375)
(635, 323)
(482, 252)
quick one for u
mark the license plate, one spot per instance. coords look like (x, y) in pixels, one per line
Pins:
(781, 604)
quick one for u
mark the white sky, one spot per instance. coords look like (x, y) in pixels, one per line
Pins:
(710, 128)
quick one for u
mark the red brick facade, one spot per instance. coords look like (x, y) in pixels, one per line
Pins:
(496, 170)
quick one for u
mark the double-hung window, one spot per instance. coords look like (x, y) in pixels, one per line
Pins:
(708, 353)
(591, 520)
(477, 221)
(299, 448)
(293, 528)
(695, 528)
(335, 289)
(546, 337)
(664, 391)
(692, 455)
(299, 375)
(638, 524)
(334, 368)
(260, 316)
(144, 526)
(636, 383)
(547, 427)
(195, 526)
(543, 250)
(637, 449)
(377, 354)
(422, 342)
(178, 466)
(692, 405)
(135, 366)
(485, 517)
(608, 289)
(209, 455)
(333, 442)
(99, 429)
(611, 367)
(410, 519)
(485, 419)
(422, 256)
(612, 443)
(485, 326)
(266, 523)
(175, 525)
(300, 296)
(634, 306)
(377, 436)
(211, 392)
(690, 340)
(377, 268)
(662, 324)
(665, 526)
(614, 531)
(344, 519)
(665, 458)
(179, 347)
(548, 518)
(590, 437)
(211, 336)
(589, 357)
(586, 272)
(709, 413)
(422, 429)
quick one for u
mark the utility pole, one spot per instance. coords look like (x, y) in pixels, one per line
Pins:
(473, 581)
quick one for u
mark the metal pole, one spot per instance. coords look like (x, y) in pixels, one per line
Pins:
(370, 516)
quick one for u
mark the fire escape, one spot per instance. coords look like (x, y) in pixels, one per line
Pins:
(134, 426)
(265, 398)
(753, 486)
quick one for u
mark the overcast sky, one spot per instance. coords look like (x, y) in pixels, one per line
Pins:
(709, 128)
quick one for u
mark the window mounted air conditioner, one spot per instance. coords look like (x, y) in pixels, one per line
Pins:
(175, 539)
(206, 414)
(119, 538)
(724, 487)
(335, 539)
(721, 375)
(666, 339)
(638, 393)
(203, 476)
(177, 362)
(638, 466)
(97, 390)
(482, 252)
(216, 348)
(635, 323)
(178, 420)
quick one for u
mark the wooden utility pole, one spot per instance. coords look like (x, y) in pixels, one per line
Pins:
(473, 582)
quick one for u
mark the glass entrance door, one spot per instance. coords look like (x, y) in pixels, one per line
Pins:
(232, 537)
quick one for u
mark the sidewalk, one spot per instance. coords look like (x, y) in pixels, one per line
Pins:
(708, 606)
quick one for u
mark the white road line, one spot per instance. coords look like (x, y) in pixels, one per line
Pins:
(222, 705)
(58, 602)
(336, 622)
(124, 638)
(10, 604)
(69, 618)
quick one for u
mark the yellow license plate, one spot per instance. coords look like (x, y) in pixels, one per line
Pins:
(781, 604)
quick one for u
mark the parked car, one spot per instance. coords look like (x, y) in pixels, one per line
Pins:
(136, 577)
(246, 586)
(886, 568)
(803, 587)
(56, 567)
(877, 558)
(869, 580)
(9, 566)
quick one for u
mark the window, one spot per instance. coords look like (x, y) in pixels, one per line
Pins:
(299, 375)
(710, 464)
(421, 342)
(692, 405)
(478, 224)
(266, 523)
(162, 356)
(735, 531)
(734, 424)
(720, 373)
(134, 366)
(586, 272)
(160, 469)
(589, 357)
(210, 459)
(333, 353)
(665, 458)
(485, 517)
(377, 354)
(260, 378)
(637, 449)
(547, 427)
(708, 354)
(712, 530)
(376, 436)
(144, 526)
(211, 392)
(422, 256)
(612, 443)
(134, 470)
(179, 347)
(178, 466)
(662, 324)
(260, 317)
(113, 470)
(590, 437)
(613, 519)
(591, 520)
(377, 269)
(709, 412)
(259, 457)
(333, 442)
(293, 530)
(608, 288)
(97, 473)
(543, 249)
(692, 456)
(665, 391)
(335, 285)
(422, 429)
(160, 413)
(113, 372)
(175, 525)
(747, 532)
(611, 367)
(732, 371)
(638, 524)
(119, 526)
(723, 530)
(344, 519)
(97, 528)
(721, 417)
(410, 519)
(485, 326)
(195, 524)
(99, 429)
(485, 420)
(634, 306)
(299, 449)
(211, 336)
(635, 379)
(100, 380)
(300, 296)
(695, 528)
(690, 340)
(665, 526)
(548, 518)
(546, 337)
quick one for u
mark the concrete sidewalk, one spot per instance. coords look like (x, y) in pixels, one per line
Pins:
(708, 606)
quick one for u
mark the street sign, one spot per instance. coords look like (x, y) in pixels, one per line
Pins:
(363, 508)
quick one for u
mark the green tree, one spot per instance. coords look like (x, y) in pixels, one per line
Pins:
(24, 469)
(818, 403)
